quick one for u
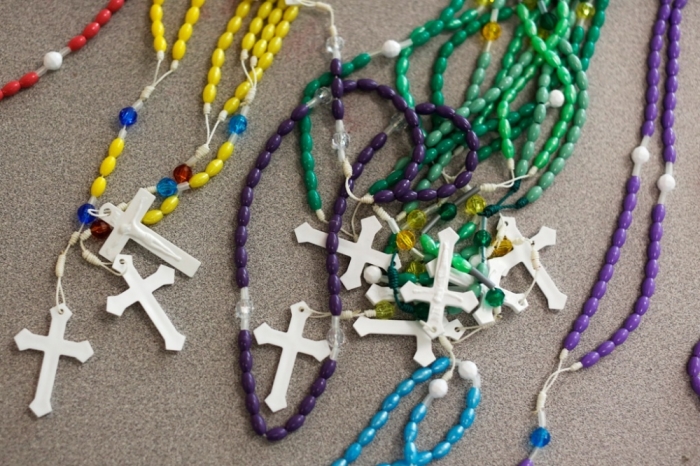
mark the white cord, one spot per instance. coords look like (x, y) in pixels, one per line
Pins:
(490, 187)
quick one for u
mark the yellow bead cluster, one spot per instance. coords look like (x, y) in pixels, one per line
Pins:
(158, 29)
(491, 31)
(107, 166)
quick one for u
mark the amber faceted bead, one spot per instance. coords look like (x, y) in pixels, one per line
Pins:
(182, 173)
(100, 229)
(491, 31)
(405, 240)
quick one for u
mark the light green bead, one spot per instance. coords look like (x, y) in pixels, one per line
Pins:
(563, 10)
(542, 95)
(525, 58)
(565, 47)
(574, 134)
(433, 138)
(528, 150)
(484, 60)
(423, 184)
(574, 63)
(446, 127)
(521, 168)
(583, 99)
(539, 114)
(580, 117)
(477, 105)
(402, 162)
(544, 80)
(411, 206)
(434, 172)
(472, 93)
(505, 83)
(557, 165)
(513, 72)
(546, 180)
(566, 150)
(533, 194)
(498, 4)
(582, 80)
(463, 111)
(444, 159)
(483, 268)
(478, 76)
(533, 132)
(492, 94)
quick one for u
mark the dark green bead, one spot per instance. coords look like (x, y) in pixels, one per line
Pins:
(430, 155)
(578, 34)
(471, 29)
(507, 61)
(312, 87)
(448, 211)
(446, 49)
(378, 186)
(347, 69)
(436, 82)
(437, 98)
(598, 19)
(394, 177)
(446, 14)
(548, 21)
(588, 50)
(434, 27)
(325, 79)
(402, 84)
(422, 311)
(584, 63)
(480, 129)
(406, 277)
(361, 60)
(402, 65)
(307, 161)
(391, 244)
(440, 65)
(505, 13)
(310, 180)
(314, 200)
(468, 16)
(453, 24)
(482, 238)
(456, 5)
(425, 279)
(446, 145)
(420, 36)
(602, 5)
(306, 143)
(305, 124)
(459, 37)
(495, 297)
(453, 311)
(405, 53)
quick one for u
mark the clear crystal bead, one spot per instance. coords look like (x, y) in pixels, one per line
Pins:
(323, 95)
(336, 336)
(244, 308)
(334, 42)
(341, 139)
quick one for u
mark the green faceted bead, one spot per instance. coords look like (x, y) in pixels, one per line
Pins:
(448, 211)
(378, 186)
(422, 310)
(566, 150)
(314, 200)
(495, 297)
(433, 138)
(361, 60)
(467, 230)
(546, 180)
(312, 87)
(557, 165)
(482, 238)
(461, 264)
(429, 245)
(310, 180)
(548, 21)
(307, 161)
(533, 194)
(306, 142)
(437, 82)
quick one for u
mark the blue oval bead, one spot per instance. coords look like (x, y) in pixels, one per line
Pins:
(353, 452)
(473, 397)
(400, 463)
(441, 450)
(391, 402)
(455, 434)
(237, 124)
(421, 375)
(410, 453)
(379, 420)
(340, 462)
(540, 437)
(366, 436)
(167, 187)
(405, 387)
(410, 432)
(440, 365)
(384, 464)
(419, 412)
(424, 457)
(83, 214)
(128, 116)
(467, 418)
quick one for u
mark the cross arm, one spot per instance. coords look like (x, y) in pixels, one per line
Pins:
(117, 304)
(163, 276)
(81, 351)
(27, 340)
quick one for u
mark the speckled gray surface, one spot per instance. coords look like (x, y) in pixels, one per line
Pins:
(134, 403)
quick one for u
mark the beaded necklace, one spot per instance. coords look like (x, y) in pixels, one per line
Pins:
(129, 221)
(54, 60)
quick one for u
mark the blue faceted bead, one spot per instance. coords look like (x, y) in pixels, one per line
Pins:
(237, 124)
(128, 116)
(167, 187)
(540, 437)
(84, 216)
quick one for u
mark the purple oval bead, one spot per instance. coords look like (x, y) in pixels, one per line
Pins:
(418, 153)
(401, 186)
(332, 263)
(340, 206)
(411, 171)
(349, 86)
(656, 43)
(651, 111)
(263, 160)
(668, 137)
(526, 462)
(273, 143)
(605, 348)
(446, 190)
(633, 184)
(259, 424)
(670, 101)
(674, 49)
(471, 161)
(425, 108)
(248, 382)
(472, 140)
(367, 84)
(318, 387)
(336, 67)
(619, 237)
(332, 243)
(242, 278)
(252, 403)
(337, 87)
(620, 336)
(667, 119)
(386, 92)
(285, 127)
(581, 323)
(383, 197)
(654, 250)
(696, 349)
(632, 322)
(676, 17)
(625, 219)
(328, 368)
(245, 361)
(307, 405)
(407, 196)
(599, 289)
(334, 284)
(572, 340)
(654, 59)
(366, 155)
(241, 236)
(295, 422)
(648, 128)
(399, 103)
(671, 84)
(658, 213)
(276, 434)
(427, 194)
(463, 179)
(253, 178)
(612, 256)
(417, 136)
(240, 257)
(656, 231)
(589, 359)
(357, 169)
(630, 202)
(670, 154)
(243, 216)
(651, 269)
(300, 112)
(590, 307)
(335, 223)
(461, 123)
(693, 366)
(378, 141)
(338, 109)
(606, 273)
(245, 340)
(695, 384)
(411, 117)
(335, 304)
(247, 196)
(445, 111)
(659, 27)
(648, 287)
(641, 306)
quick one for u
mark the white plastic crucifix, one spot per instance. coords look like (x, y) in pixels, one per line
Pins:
(439, 296)
(127, 226)
(360, 253)
(141, 291)
(292, 342)
(424, 345)
(53, 346)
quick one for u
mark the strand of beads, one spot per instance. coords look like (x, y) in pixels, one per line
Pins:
(668, 21)
(693, 369)
(54, 60)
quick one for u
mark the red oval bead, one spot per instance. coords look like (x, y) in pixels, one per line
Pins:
(11, 88)
(182, 173)
(115, 5)
(29, 79)
(77, 43)
(103, 17)
(1, 95)
(100, 229)
(91, 30)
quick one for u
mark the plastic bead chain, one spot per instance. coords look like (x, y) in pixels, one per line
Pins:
(668, 21)
(54, 60)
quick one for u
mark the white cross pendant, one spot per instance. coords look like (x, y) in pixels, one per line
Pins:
(292, 343)
(127, 226)
(141, 291)
(53, 346)
(360, 253)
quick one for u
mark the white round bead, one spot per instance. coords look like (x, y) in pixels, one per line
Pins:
(468, 370)
(556, 98)
(640, 154)
(391, 49)
(372, 274)
(438, 388)
(666, 183)
(53, 61)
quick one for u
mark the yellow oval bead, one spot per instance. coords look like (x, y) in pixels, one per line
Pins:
(225, 40)
(107, 165)
(185, 32)
(169, 204)
(157, 28)
(152, 217)
(179, 49)
(266, 60)
(242, 90)
(475, 205)
(218, 57)
(275, 17)
(116, 147)
(268, 32)
(281, 4)
(209, 93)
(156, 12)
(160, 44)
(214, 75)
(265, 9)
(291, 13)
(282, 29)
(405, 240)
(256, 25)
(275, 45)
(243, 9)
(199, 180)
(235, 24)
(214, 167)
(232, 105)
(248, 41)
(98, 186)
(258, 74)
(158, 2)
(260, 48)
(416, 219)
(198, 3)
(491, 31)
(192, 15)
(225, 151)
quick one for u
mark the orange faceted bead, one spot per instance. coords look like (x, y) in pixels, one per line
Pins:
(182, 173)
(491, 31)
(100, 229)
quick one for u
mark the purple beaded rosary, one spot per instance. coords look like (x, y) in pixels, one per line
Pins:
(668, 21)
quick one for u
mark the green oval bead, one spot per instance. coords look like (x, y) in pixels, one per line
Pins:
(325, 79)
(402, 162)
(588, 50)
(574, 134)
(578, 34)
(467, 230)
(580, 117)
(437, 98)
(570, 93)
(430, 155)
(584, 63)
(557, 165)
(551, 145)
(423, 184)
(447, 14)
(447, 49)
(411, 206)
(402, 84)
(510, 95)
(593, 34)
(565, 47)
(541, 159)
(448, 211)
(402, 65)
(471, 29)
(566, 150)
(492, 124)
(440, 65)
(598, 18)
(409, 99)
(469, 15)
(477, 105)
(552, 58)
(478, 76)
(521, 168)
(461, 264)
(583, 99)
(538, 44)
(542, 95)
(507, 60)
(559, 129)
(310, 180)
(492, 94)
(513, 73)
(434, 172)
(533, 133)
(484, 152)
(419, 36)
(530, 28)
(472, 93)
(446, 145)
(444, 159)
(546, 180)
(306, 143)
(564, 75)
(446, 127)
(528, 150)
(459, 37)
(513, 118)
(544, 81)
(313, 198)
(433, 138)
(567, 112)
(456, 5)
(453, 24)
(361, 60)
(484, 60)
(434, 27)
(563, 11)
(479, 129)
(378, 186)
(582, 80)
(574, 63)
(394, 177)
(305, 124)
(347, 69)
(507, 148)
(539, 114)
(307, 161)
(429, 245)
(504, 128)
(312, 87)
(527, 109)
(468, 252)
(436, 82)
(533, 194)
